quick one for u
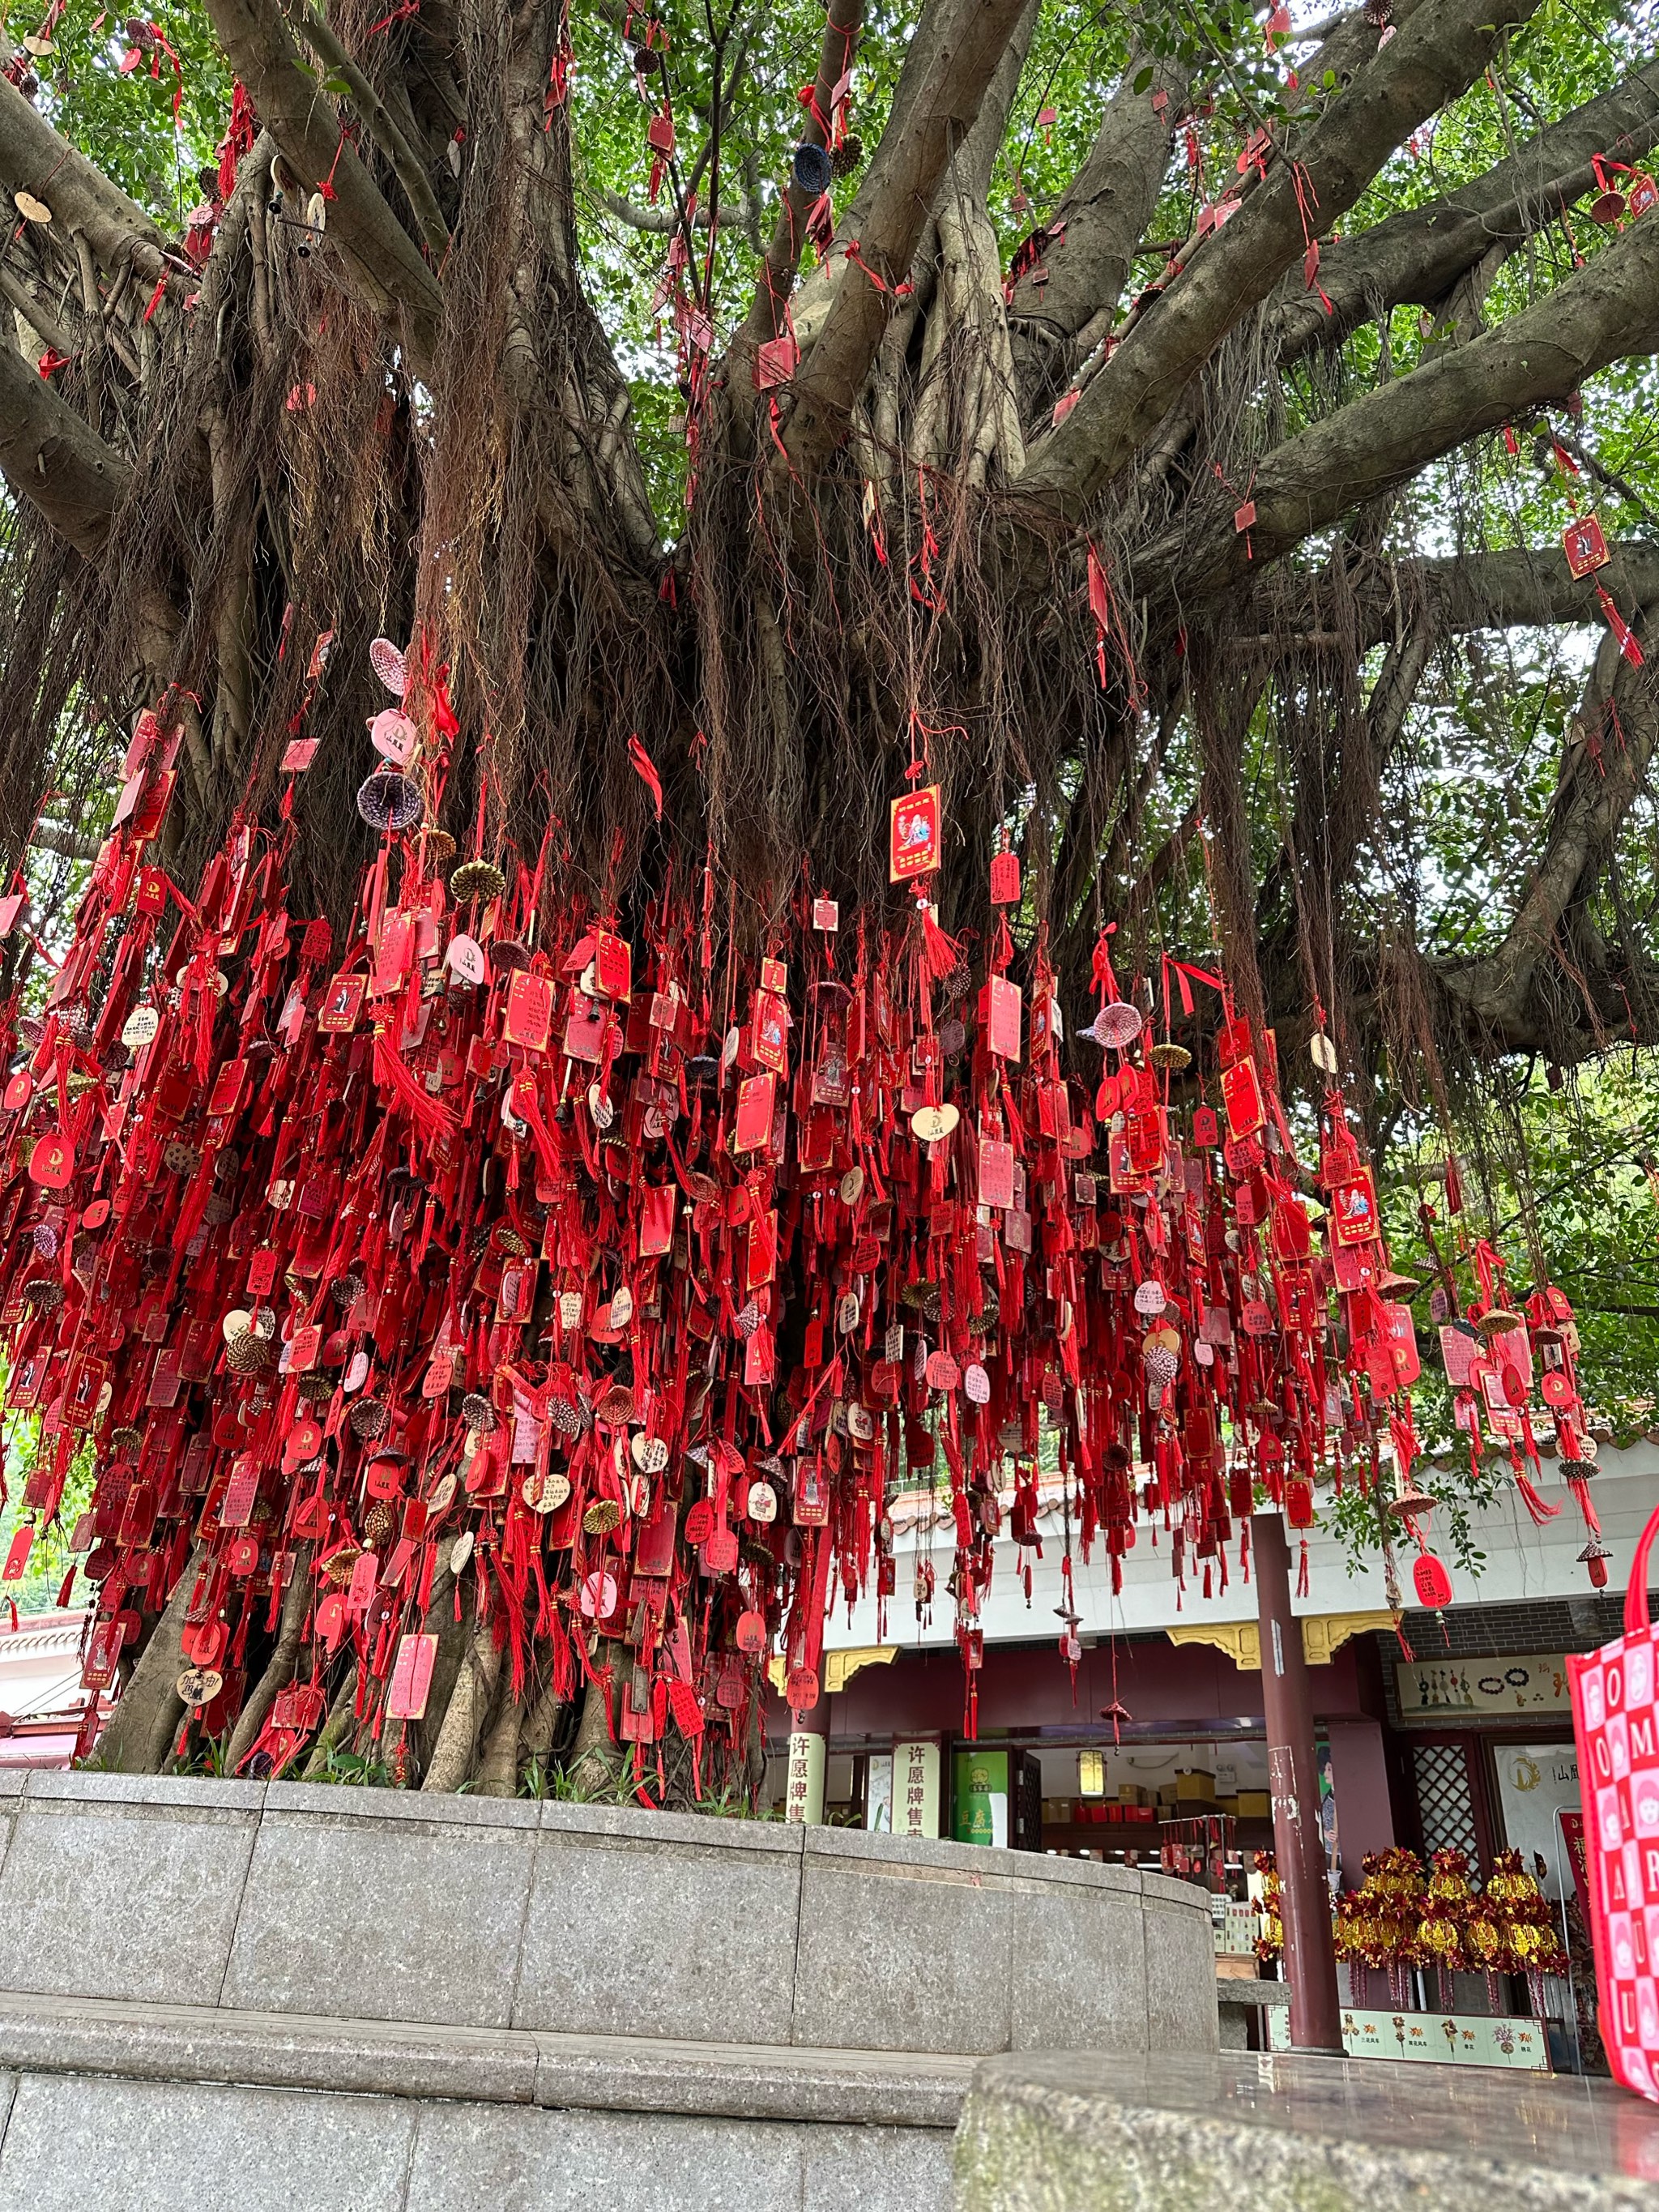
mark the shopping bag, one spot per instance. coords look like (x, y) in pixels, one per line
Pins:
(1615, 1719)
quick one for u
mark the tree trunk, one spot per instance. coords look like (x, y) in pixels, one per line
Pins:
(458, 1738)
(595, 1761)
(342, 1716)
(498, 1762)
(535, 1737)
(279, 1668)
(142, 1729)
(452, 1635)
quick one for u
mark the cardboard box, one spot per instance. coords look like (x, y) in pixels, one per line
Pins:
(1255, 1805)
(1195, 1787)
(1133, 1793)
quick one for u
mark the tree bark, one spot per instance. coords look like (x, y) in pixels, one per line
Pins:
(140, 1732)
(498, 1760)
(279, 1667)
(339, 1724)
(1445, 46)
(453, 1754)
(888, 216)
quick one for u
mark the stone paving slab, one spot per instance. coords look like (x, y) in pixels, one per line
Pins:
(1086, 2132)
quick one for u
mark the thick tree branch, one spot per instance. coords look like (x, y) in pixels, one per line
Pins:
(968, 302)
(1092, 234)
(1605, 762)
(34, 159)
(842, 21)
(734, 213)
(39, 316)
(1456, 591)
(381, 258)
(1605, 311)
(1415, 257)
(406, 164)
(1430, 60)
(887, 217)
(51, 457)
(54, 837)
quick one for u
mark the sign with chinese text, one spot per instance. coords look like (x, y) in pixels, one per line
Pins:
(803, 1794)
(915, 1788)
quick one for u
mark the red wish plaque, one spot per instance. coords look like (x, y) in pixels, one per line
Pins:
(753, 1126)
(998, 1013)
(51, 1164)
(996, 1173)
(343, 1004)
(529, 1011)
(1241, 1094)
(1353, 1209)
(914, 835)
(613, 965)
(411, 1678)
(1585, 545)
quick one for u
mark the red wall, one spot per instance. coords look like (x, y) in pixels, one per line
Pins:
(1026, 1690)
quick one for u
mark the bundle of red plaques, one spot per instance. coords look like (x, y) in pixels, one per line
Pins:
(625, 1277)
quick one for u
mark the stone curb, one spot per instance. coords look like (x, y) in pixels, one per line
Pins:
(205, 2044)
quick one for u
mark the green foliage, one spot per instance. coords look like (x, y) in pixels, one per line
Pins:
(1557, 1181)
(125, 124)
(50, 1558)
(207, 1755)
(354, 1770)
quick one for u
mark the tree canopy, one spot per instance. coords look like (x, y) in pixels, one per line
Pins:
(1085, 288)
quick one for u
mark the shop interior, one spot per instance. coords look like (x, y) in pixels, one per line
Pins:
(1103, 1802)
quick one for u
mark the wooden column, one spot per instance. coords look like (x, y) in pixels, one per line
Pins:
(1293, 1778)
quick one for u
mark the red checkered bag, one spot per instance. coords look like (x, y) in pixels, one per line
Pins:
(1615, 1719)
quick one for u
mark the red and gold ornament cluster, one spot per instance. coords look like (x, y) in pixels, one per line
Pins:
(627, 1275)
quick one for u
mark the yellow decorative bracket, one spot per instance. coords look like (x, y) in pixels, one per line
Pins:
(839, 1667)
(1323, 1635)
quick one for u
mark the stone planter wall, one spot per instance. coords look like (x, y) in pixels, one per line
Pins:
(239, 1997)
(475, 1912)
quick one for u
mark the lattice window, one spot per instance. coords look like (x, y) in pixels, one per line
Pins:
(1444, 1797)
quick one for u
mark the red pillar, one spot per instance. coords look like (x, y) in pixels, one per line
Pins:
(1305, 1897)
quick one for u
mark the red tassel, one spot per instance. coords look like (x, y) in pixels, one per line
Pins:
(393, 1073)
(645, 770)
(1541, 1514)
(1302, 1571)
(1621, 629)
(940, 953)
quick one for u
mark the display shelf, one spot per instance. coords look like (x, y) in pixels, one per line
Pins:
(1138, 1835)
